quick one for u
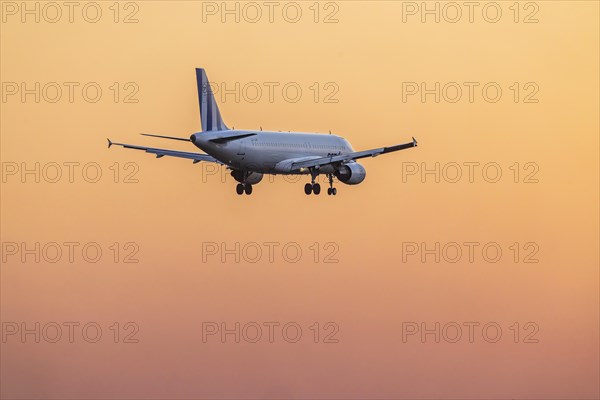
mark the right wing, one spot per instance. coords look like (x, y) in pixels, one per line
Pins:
(344, 158)
(197, 157)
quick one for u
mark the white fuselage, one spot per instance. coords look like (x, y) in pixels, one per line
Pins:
(265, 151)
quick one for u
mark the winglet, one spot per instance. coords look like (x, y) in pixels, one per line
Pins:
(414, 142)
(109, 143)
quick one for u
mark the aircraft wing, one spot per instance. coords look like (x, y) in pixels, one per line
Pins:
(344, 158)
(196, 157)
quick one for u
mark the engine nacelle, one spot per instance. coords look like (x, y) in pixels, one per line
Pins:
(351, 174)
(253, 178)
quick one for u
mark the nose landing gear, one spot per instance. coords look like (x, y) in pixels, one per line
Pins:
(331, 191)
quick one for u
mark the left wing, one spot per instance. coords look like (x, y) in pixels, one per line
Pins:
(344, 158)
(197, 157)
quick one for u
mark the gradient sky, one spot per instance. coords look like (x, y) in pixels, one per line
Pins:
(176, 208)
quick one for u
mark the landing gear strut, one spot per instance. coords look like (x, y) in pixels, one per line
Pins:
(312, 187)
(331, 190)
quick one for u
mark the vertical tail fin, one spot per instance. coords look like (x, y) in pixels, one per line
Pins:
(210, 117)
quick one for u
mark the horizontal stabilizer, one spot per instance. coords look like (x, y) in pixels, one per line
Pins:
(196, 157)
(166, 137)
(229, 138)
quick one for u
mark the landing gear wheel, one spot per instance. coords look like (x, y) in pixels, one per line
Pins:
(329, 191)
(316, 188)
(239, 188)
(308, 188)
(248, 189)
(334, 191)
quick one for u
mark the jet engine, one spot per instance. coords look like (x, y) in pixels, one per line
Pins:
(351, 174)
(252, 178)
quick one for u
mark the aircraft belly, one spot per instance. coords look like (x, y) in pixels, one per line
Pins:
(326, 169)
(265, 161)
(259, 161)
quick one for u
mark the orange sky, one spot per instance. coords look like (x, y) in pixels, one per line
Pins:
(173, 209)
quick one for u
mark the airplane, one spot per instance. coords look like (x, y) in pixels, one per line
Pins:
(250, 154)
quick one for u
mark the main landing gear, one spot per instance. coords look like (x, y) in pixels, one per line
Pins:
(312, 187)
(243, 187)
(315, 188)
